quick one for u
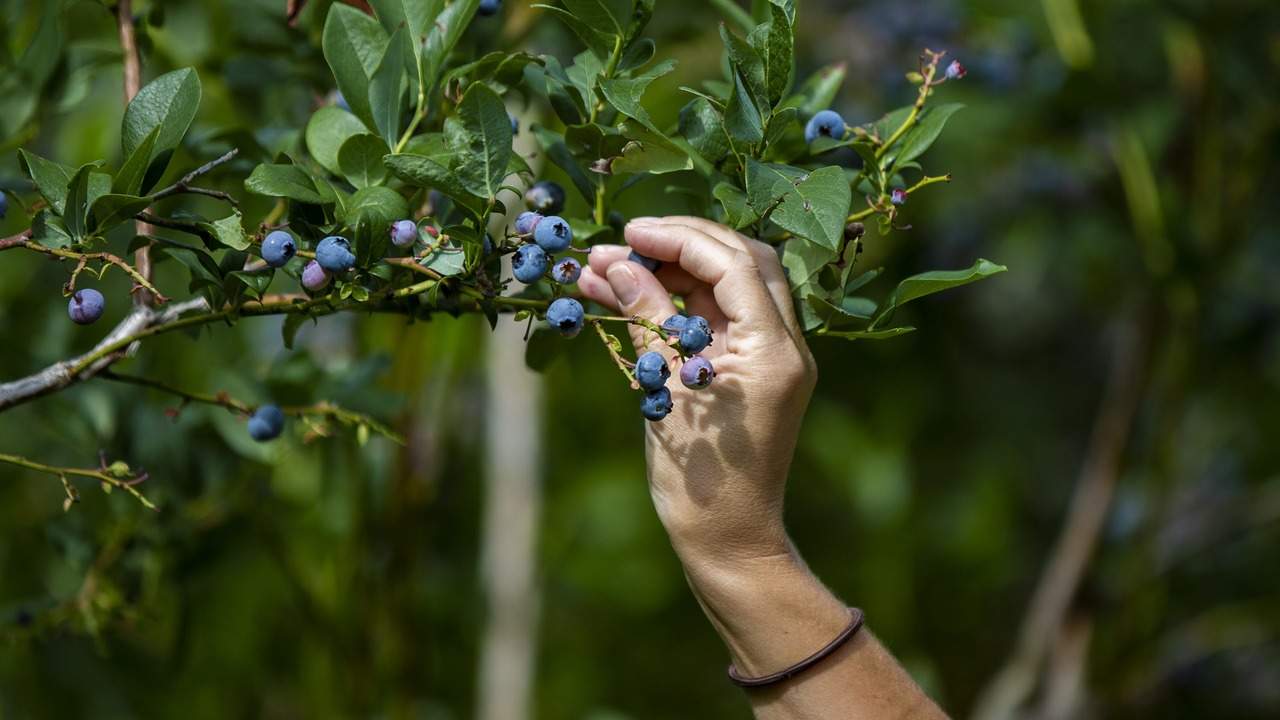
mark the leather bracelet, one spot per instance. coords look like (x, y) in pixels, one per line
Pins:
(855, 624)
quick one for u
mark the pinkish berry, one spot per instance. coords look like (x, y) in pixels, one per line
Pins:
(314, 277)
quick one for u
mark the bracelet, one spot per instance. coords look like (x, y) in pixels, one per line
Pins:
(855, 624)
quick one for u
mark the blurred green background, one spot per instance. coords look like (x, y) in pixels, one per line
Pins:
(1119, 157)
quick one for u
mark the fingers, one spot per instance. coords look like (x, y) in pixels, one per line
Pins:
(766, 259)
(595, 287)
(672, 277)
(639, 293)
(733, 274)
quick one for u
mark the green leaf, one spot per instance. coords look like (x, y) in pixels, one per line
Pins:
(649, 152)
(353, 44)
(812, 205)
(741, 116)
(289, 181)
(110, 210)
(360, 160)
(847, 313)
(702, 126)
(924, 284)
(256, 282)
(747, 64)
(774, 41)
(818, 91)
(371, 211)
(869, 334)
(446, 261)
(48, 230)
(501, 67)
(134, 171)
(50, 178)
(386, 88)
(596, 40)
(428, 171)
(444, 35)
(556, 150)
(737, 210)
(166, 106)
(289, 331)
(610, 16)
(79, 199)
(928, 127)
(481, 133)
(327, 130)
(625, 93)
(229, 231)
(545, 346)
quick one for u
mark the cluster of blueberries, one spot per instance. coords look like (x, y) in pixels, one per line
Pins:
(696, 373)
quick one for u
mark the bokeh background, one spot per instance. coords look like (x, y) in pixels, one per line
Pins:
(1123, 376)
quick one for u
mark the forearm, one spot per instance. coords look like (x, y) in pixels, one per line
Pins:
(772, 612)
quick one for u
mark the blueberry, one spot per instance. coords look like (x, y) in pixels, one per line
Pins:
(86, 306)
(529, 263)
(955, 70)
(652, 371)
(565, 315)
(314, 277)
(675, 324)
(644, 261)
(489, 7)
(697, 373)
(827, 123)
(898, 196)
(527, 221)
(545, 197)
(566, 271)
(4, 204)
(334, 254)
(266, 423)
(278, 248)
(515, 124)
(656, 405)
(404, 233)
(553, 234)
(696, 335)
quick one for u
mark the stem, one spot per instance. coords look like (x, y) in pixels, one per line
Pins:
(102, 475)
(418, 114)
(184, 184)
(133, 83)
(929, 70)
(610, 344)
(142, 282)
(609, 69)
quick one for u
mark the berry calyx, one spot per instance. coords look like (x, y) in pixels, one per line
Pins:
(404, 233)
(545, 197)
(566, 271)
(553, 234)
(266, 423)
(529, 263)
(652, 371)
(86, 306)
(334, 254)
(278, 248)
(697, 373)
(314, 277)
(656, 405)
(696, 335)
(565, 315)
(827, 123)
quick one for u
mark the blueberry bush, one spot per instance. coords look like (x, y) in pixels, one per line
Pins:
(398, 196)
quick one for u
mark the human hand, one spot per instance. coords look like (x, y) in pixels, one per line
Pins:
(718, 463)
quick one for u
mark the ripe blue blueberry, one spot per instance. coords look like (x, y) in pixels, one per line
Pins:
(545, 197)
(675, 324)
(404, 233)
(565, 315)
(489, 7)
(266, 423)
(4, 205)
(553, 234)
(515, 124)
(529, 263)
(656, 405)
(278, 248)
(566, 271)
(696, 335)
(826, 123)
(955, 70)
(334, 254)
(697, 373)
(644, 261)
(898, 196)
(652, 371)
(314, 277)
(86, 306)
(527, 221)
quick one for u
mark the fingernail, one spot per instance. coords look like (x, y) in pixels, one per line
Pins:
(624, 283)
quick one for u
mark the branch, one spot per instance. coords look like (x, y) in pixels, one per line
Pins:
(183, 185)
(1047, 612)
(116, 475)
(614, 346)
(141, 283)
(133, 83)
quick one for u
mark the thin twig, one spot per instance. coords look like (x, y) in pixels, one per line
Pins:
(183, 185)
(141, 283)
(611, 344)
(133, 83)
(122, 478)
